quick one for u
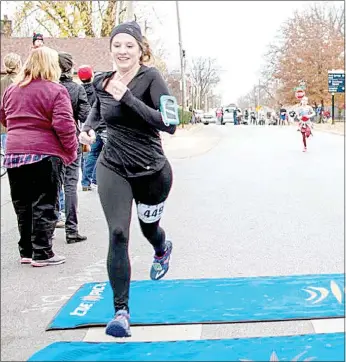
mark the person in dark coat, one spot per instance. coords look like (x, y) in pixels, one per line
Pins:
(86, 76)
(81, 109)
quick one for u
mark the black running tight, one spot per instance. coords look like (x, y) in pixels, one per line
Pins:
(116, 195)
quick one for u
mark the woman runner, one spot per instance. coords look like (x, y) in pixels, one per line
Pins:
(132, 165)
(305, 125)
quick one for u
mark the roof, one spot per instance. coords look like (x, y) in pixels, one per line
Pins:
(92, 51)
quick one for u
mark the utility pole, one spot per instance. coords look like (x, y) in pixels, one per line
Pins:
(258, 98)
(182, 64)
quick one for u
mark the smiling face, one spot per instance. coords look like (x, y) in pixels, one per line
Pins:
(125, 52)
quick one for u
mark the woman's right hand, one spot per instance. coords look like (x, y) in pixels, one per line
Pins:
(87, 138)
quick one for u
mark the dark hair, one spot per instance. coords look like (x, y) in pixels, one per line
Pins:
(147, 54)
(86, 80)
(37, 36)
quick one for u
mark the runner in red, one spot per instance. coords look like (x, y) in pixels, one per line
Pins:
(305, 114)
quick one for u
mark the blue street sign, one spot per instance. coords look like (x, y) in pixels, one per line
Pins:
(336, 82)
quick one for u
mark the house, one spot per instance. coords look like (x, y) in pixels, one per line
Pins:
(92, 51)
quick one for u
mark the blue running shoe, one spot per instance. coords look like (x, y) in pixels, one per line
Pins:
(120, 325)
(161, 263)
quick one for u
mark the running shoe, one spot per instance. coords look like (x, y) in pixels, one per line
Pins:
(161, 263)
(120, 325)
(55, 260)
(25, 260)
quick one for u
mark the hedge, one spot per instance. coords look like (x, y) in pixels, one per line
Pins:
(187, 116)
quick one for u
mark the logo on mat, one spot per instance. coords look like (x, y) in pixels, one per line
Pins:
(95, 294)
(88, 301)
(92, 298)
(319, 294)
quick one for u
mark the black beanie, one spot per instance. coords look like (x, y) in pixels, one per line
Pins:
(131, 28)
(37, 36)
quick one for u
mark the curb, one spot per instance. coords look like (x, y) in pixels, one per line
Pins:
(194, 128)
(180, 132)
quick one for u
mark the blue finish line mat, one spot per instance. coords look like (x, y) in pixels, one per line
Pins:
(201, 301)
(313, 347)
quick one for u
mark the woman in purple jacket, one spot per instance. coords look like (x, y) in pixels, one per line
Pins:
(41, 137)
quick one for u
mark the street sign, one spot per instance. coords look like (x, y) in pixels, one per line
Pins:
(299, 93)
(258, 108)
(336, 81)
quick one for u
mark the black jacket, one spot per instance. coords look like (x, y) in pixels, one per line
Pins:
(79, 99)
(91, 94)
(133, 145)
(90, 91)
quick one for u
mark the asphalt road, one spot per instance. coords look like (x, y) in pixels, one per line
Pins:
(246, 201)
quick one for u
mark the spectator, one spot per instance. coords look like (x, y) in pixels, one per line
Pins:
(86, 75)
(81, 109)
(12, 63)
(38, 145)
(37, 40)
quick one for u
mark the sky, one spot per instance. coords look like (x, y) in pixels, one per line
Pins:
(236, 33)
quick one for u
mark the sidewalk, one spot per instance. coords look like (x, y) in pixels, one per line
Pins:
(338, 128)
(188, 130)
(190, 141)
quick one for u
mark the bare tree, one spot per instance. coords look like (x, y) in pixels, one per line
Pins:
(173, 83)
(204, 74)
(146, 16)
(66, 18)
(249, 100)
(108, 17)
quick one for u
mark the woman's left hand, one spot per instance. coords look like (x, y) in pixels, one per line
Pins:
(118, 89)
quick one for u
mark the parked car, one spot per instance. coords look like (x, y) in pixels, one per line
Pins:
(209, 117)
(228, 115)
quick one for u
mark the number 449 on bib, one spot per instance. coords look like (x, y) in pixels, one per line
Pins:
(150, 213)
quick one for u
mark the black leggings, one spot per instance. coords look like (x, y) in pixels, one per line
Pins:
(116, 195)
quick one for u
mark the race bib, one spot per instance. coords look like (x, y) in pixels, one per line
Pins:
(150, 213)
